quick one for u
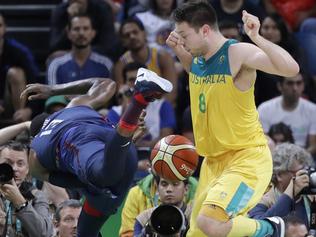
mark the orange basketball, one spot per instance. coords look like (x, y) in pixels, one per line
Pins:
(174, 158)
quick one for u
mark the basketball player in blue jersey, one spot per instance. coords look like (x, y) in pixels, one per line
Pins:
(238, 165)
(77, 148)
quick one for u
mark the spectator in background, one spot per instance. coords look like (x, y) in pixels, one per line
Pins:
(160, 116)
(296, 13)
(274, 29)
(55, 103)
(232, 10)
(17, 68)
(283, 198)
(81, 62)
(133, 38)
(295, 227)
(171, 193)
(26, 208)
(281, 133)
(66, 218)
(144, 196)
(296, 112)
(230, 30)
(102, 19)
(157, 22)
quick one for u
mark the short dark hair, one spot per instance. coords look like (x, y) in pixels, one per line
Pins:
(37, 123)
(132, 20)
(15, 145)
(80, 15)
(292, 220)
(73, 203)
(133, 66)
(196, 14)
(157, 179)
(282, 128)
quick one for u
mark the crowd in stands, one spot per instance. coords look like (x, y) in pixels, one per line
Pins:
(113, 39)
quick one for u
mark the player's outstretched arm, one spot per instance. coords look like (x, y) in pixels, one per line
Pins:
(96, 91)
(10, 132)
(175, 42)
(267, 56)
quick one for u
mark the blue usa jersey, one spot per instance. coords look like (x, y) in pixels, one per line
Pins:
(46, 143)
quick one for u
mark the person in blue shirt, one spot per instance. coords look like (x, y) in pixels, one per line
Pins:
(77, 148)
(81, 62)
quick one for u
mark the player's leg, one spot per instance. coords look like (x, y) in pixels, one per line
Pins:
(97, 208)
(240, 183)
(148, 87)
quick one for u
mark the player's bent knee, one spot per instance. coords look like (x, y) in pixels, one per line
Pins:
(213, 221)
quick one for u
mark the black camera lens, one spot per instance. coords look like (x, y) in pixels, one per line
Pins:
(6, 173)
(167, 220)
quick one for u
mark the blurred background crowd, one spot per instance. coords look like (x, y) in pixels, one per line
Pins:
(57, 41)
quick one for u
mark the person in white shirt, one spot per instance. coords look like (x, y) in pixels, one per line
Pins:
(294, 111)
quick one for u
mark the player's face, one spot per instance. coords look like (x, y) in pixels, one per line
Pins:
(194, 41)
(81, 32)
(171, 192)
(298, 230)
(292, 88)
(67, 227)
(2, 27)
(19, 162)
(270, 31)
(133, 38)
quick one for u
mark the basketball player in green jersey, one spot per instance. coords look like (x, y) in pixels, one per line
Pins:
(238, 166)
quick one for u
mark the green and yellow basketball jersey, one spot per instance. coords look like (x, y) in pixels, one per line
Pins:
(224, 118)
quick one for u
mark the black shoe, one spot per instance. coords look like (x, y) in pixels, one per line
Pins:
(278, 226)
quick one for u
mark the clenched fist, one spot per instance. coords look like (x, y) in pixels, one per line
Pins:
(251, 24)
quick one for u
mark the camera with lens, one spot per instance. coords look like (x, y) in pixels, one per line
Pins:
(166, 221)
(6, 173)
(311, 189)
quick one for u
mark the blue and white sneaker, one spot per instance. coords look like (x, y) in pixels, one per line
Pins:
(278, 226)
(150, 85)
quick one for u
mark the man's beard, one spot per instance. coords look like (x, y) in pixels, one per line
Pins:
(81, 46)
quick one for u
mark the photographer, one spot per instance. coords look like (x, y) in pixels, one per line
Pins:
(289, 178)
(171, 193)
(24, 210)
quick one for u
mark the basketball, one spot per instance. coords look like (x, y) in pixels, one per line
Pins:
(174, 158)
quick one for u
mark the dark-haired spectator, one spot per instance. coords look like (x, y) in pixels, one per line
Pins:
(157, 22)
(102, 18)
(170, 193)
(24, 209)
(66, 218)
(230, 30)
(81, 62)
(289, 178)
(273, 28)
(295, 227)
(298, 113)
(133, 37)
(17, 68)
(232, 10)
(281, 133)
(144, 196)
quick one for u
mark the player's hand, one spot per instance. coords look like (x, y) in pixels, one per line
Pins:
(141, 129)
(37, 91)
(251, 24)
(175, 41)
